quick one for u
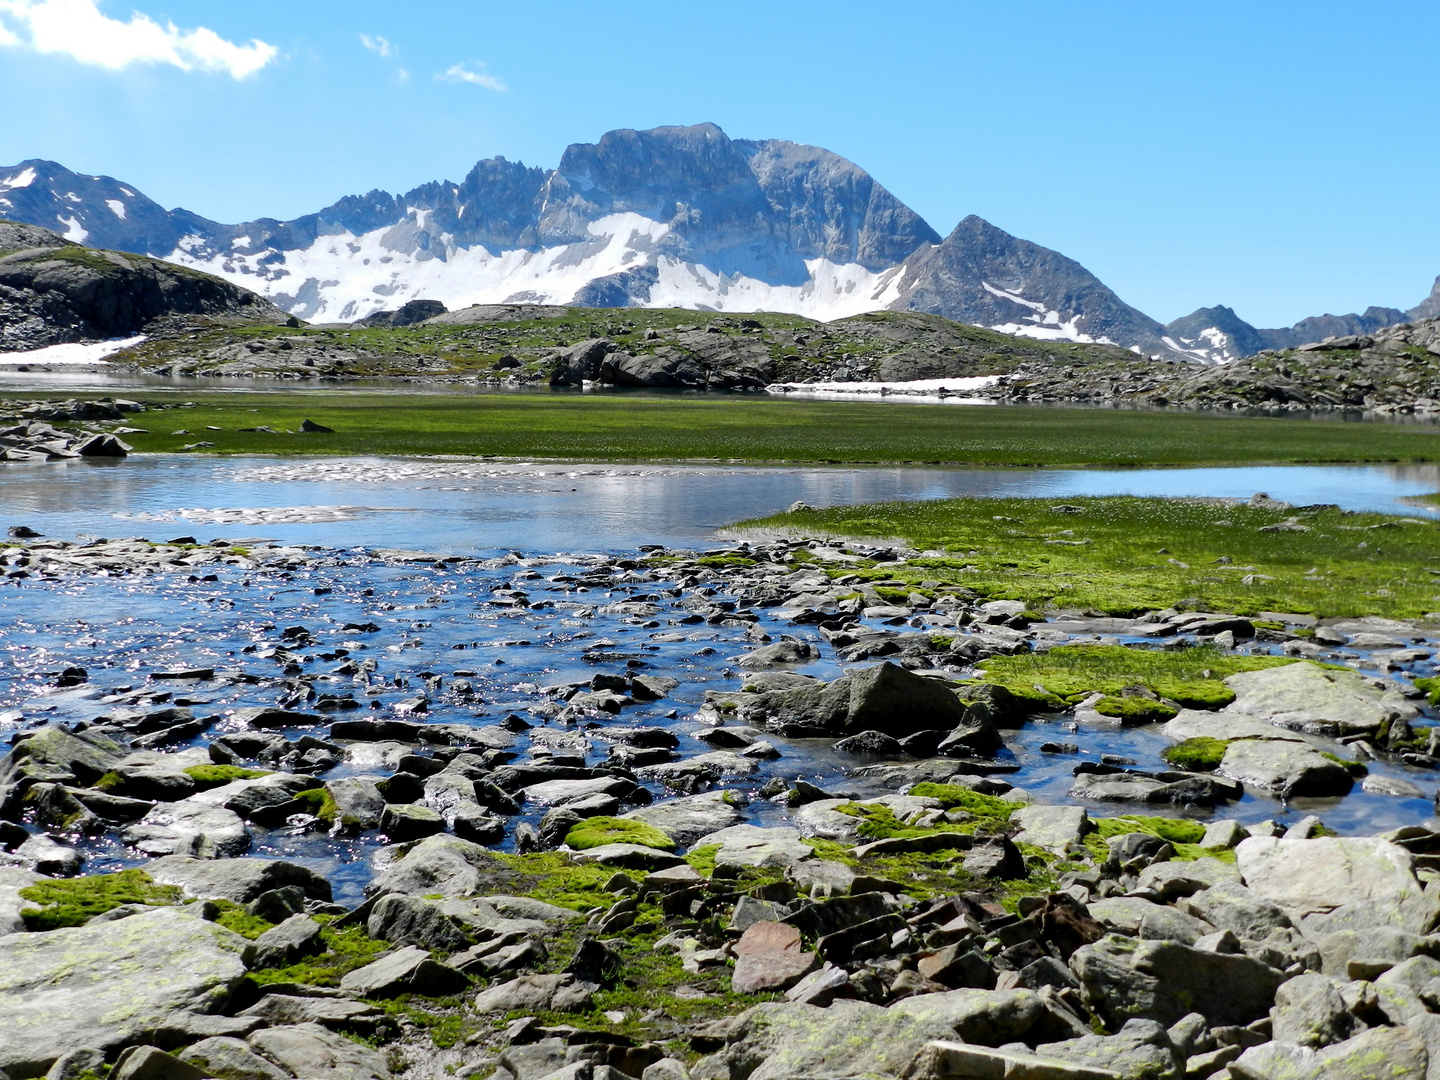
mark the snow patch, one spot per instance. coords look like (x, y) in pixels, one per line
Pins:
(345, 277)
(87, 352)
(116, 207)
(949, 391)
(128, 193)
(24, 178)
(240, 242)
(74, 232)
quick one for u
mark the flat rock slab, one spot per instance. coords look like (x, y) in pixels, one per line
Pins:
(240, 880)
(1053, 828)
(1284, 768)
(109, 984)
(189, 828)
(535, 993)
(1379, 1054)
(982, 1017)
(686, 819)
(311, 1051)
(753, 845)
(405, 971)
(769, 956)
(1327, 872)
(1198, 724)
(943, 1060)
(1322, 701)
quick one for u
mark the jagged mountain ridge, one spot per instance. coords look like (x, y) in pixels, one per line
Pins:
(675, 217)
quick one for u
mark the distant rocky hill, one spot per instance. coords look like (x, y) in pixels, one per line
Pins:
(52, 291)
(672, 217)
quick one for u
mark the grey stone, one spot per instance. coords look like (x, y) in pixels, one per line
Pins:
(716, 766)
(107, 985)
(441, 865)
(1378, 943)
(986, 1017)
(628, 856)
(49, 857)
(1229, 905)
(884, 698)
(335, 1012)
(358, 803)
(666, 1069)
(410, 920)
(282, 945)
(536, 993)
(1327, 872)
(944, 1060)
(405, 971)
(1310, 1012)
(1321, 701)
(241, 880)
(1379, 1054)
(685, 820)
(1166, 923)
(1177, 879)
(1225, 833)
(1122, 914)
(404, 821)
(1054, 828)
(786, 1040)
(1141, 1050)
(752, 845)
(54, 754)
(189, 828)
(1163, 981)
(1402, 990)
(312, 1052)
(152, 1063)
(71, 1064)
(787, 650)
(1286, 769)
(232, 1059)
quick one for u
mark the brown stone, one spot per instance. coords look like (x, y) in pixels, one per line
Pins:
(768, 956)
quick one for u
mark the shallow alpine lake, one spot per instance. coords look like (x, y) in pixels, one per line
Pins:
(537, 529)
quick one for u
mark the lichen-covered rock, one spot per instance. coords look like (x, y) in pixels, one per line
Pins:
(310, 1051)
(1321, 701)
(1379, 1054)
(240, 880)
(1327, 872)
(108, 984)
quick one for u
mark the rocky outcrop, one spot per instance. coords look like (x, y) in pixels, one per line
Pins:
(54, 292)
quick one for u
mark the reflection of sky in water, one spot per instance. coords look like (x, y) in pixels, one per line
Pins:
(592, 508)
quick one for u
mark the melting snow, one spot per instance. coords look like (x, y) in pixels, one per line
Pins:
(358, 275)
(946, 390)
(90, 352)
(116, 207)
(75, 233)
(24, 178)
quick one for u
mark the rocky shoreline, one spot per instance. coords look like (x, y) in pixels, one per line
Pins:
(577, 880)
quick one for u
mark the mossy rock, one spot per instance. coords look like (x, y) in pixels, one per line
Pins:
(75, 901)
(1135, 710)
(960, 797)
(1175, 830)
(598, 831)
(209, 776)
(1200, 754)
(1431, 687)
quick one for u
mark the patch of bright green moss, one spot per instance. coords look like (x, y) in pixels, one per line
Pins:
(598, 831)
(1431, 687)
(234, 917)
(75, 901)
(553, 878)
(345, 951)
(960, 797)
(703, 859)
(1200, 754)
(1175, 830)
(208, 776)
(878, 822)
(1135, 710)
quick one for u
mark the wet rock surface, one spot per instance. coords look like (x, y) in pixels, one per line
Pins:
(535, 816)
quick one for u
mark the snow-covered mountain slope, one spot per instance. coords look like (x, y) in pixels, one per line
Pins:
(672, 217)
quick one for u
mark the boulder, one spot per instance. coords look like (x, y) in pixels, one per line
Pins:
(1054, 828)
(110, 984)
(441, 865)
(785, 651)
(231, 1059)
(1321, 701)
(944, 1060)
(286, 943)
(784, 1040)
(1186, 877)
(1229, 905)
(1309, 1011)
(189, 828)
(311, 1051)
(885, 698)
(1141, 1050)
(1379, 1054)
(1286, 769)
(405, 971)
(1125, 979)
(358, 803)
(12, 880)
(769, 956)
(986, 1017)
(753, 845)
(411, 920)
(240, 880)
(54, 754)
(1327, 872)
(687, 819)
(536, 993)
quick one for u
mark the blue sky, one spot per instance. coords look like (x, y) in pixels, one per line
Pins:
(1277, 157)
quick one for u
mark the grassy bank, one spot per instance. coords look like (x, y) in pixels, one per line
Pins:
(754, 428)
(1125, 555)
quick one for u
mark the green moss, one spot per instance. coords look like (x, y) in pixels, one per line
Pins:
(960, 797)
(208, 776)
(597, 831)
(1431, 687)
(345, 950)
(724, 562)
(1348, 763)
(1200, 754)
(1135, 710)
(109, 782)
(74, 901)
(1175, 830)
(878, 822)
(1067, 675)
(550, 876)
(703, 858)
(234, 917)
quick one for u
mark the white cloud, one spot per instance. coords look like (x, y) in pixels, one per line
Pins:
(377, 44)
(402, 76)
(78, 29)
(462, 74)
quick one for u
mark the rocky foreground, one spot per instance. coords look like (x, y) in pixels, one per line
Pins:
(534, 909)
